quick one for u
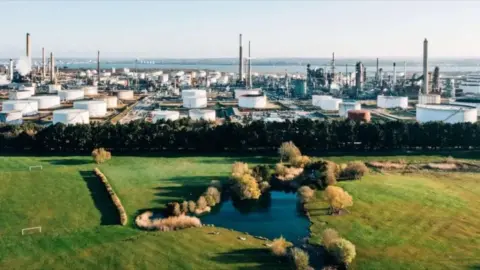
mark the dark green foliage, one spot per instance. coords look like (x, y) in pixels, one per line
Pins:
(186, 135)
(173, 209)
(262, 173)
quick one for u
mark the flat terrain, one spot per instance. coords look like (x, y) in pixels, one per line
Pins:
(397, 221)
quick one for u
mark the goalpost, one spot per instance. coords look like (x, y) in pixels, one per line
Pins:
(40, 167)
(32, 229)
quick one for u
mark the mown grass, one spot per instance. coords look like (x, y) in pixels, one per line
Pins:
(420, 221)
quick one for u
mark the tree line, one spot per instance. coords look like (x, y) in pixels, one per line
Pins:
(187, 135)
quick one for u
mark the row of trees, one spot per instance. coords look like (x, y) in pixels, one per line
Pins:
(258, 135)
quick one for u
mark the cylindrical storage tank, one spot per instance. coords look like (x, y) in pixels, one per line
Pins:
(429, 99)
(345, 107)
(31, 89)
(11, 117)
(242, 92)
(252, 101)
(359, 115)
(47, 102)
(14, 95)
(473, 102)
(90, 90)
(202, 73)
(73, 94)
(389, 102)
(207, 115)
(54, 88)
(95, 108)
(330, 104)
(71, 116)
(446, 113)
(194, 93)
(27, 107)
(125, 94)
(195, 102)
(112, 102)
(316, 99)
(165, 115)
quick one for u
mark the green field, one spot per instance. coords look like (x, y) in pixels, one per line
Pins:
(397, 221)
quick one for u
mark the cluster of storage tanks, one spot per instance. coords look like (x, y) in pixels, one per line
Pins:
(194, 114)
(391, 102)
(250, 98)
(446, 113)
(194, 98)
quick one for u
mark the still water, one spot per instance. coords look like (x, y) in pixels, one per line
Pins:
(274, 214)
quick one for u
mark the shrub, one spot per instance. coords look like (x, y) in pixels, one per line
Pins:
(115, 199)
(201, 203)
(173, 209)
(199, 211)
(450, 160)
(337, 198)
(100, 155)
(216, 184)
(329, 237)
(279, 246)
(184, 207)
(280, 169)
(355, 170)
(247, 188)
(299, 161)
(214, 194)
(210, 200)
(262, 173)
(264, 186)
(306, 194)
(145, 222)
(239, 169)
(192, 206)
(328, 173)
(288, 151)
(300, 259)
(343, 250)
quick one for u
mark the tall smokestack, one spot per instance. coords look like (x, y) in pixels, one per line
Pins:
(405, 70)
(10, 70)
(377, 75)
(425, 66)
(52, 68)
(240, 60)
(43, 63)
(28, 46)
(98, 66)
(249, 75)
(394, 75)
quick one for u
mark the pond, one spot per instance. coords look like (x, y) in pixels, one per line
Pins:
(275, 214)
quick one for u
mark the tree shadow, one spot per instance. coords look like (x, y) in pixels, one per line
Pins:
(67, 162)
(246, 159)
(101, 199)
(260, 256)
(474, 267)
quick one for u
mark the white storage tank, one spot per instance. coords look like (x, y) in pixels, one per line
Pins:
(241, 92)
(390, 102)
(30, 88)
(316, 99)
(473, 102)
(11, 117)
(47, 102)
(195, 102)
(331, 104)
(163, 78)
(112, 102)
(125, 94)
(90, 90)
(258, 101)
(27, 107)
(74, 94)
(54, 88)
(20, 94)
(165, 115)
(446, 113)
(207, 115)
(346, 106)
(194, 93)
(71, 116)
(95, 108)
(429, 99)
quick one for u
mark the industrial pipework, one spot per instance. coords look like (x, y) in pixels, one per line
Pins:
(240, 61)
(394, 75)
(425, 66)
(43, 63)
(249, 68)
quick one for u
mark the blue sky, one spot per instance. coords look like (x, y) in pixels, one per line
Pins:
(203, 29)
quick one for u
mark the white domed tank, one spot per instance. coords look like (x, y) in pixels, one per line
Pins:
(390, 102)
(446, 113)
(11, 117)
(467, 101)
(27, 107)
(195, 102)
(242, 92)
(73, 94)
(47, 102)
(95, 108)
(30, 88)
(71, 116)
(125, 94)
(258, 101)
(194, 93)
(316, 99)
(20, 94)
(429, 99)
(346, 106)
(90, 90)
(54, 88)
(112, 102)
(165, 115)
(331, 104)
(207, 115)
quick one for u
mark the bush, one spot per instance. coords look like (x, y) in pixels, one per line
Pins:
(173, 209)
(263, 186)
(239, 169)
(279, 246)
(115, 199)
(306, 194)
(355, 170)
(201, 203)
(184, 207)
(288, 151)
(144, 221)
(210, 200)
(280, 169)
(214, 194)
(192, 206)
(328, 173)
(329, 237)
(246, 188)
(262, 173)
(337, 198)
(216, 184)
(343, 251)
(300, 259)
(100, 155)
(299, 161)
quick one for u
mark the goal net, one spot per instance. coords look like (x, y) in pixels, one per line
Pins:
(36, 167)
(31, 230)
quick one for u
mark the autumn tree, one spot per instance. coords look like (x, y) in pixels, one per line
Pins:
(337, 198)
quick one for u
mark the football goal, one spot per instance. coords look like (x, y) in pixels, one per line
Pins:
(31, 230)
(36, 167)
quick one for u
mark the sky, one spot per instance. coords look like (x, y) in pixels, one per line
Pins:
(209, 29)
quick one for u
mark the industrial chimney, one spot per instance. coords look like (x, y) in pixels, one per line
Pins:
(98, 67)
(394, 75)
(28, 46)
(43, 63)
(52, 68)
(10, 70)
(425, 66)
(377, 75)
(240, 61)
(249, 74)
